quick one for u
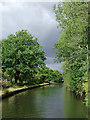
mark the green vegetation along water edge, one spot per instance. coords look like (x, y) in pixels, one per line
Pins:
(23, 64)
(73, 46)
(17, 89)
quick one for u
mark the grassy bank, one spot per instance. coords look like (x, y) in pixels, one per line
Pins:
(6, 92)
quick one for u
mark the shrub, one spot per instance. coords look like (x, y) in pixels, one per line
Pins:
(6, 84)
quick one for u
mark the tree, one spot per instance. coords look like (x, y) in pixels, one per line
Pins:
(21, 55)
(47, 75)
(73, 44)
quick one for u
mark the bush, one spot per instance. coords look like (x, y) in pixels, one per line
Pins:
(6, 84)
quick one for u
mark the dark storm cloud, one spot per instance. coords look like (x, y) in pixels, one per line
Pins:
(50, 40)
(38, 18)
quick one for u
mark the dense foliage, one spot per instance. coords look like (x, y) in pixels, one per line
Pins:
(23, 61)
(21, 55)
(73, 44)
(48, 75)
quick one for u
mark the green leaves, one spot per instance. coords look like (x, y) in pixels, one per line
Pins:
(47, 74)
(72, 18)
(21, 54)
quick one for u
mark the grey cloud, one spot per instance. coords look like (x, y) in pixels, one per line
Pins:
(34, 17)
(50, 40)
(38, 19)
(55, 66)
(49, 60)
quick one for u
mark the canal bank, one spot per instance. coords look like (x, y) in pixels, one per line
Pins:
(51, 101)
(11, 90)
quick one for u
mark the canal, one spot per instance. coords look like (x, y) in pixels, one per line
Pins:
(45, 102)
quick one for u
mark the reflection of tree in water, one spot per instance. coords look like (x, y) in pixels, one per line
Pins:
(73, 107)
(22, 105)
(51, 101)
(49, 90)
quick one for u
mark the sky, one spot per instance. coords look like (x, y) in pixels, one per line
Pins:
(38, 18)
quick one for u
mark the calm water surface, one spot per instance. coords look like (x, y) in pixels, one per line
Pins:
(46, 102)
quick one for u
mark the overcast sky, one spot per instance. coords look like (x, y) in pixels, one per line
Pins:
(40, 21)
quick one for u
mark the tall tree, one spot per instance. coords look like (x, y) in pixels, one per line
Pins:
(73, 44)
(21, 55)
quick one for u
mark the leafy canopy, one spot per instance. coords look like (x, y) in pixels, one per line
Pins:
(21, 54)
(72, 18)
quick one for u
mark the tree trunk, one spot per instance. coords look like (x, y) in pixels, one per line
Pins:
(16, 78)
(21, 82)
(11, 81)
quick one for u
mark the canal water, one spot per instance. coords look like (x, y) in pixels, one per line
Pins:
(45, 102)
